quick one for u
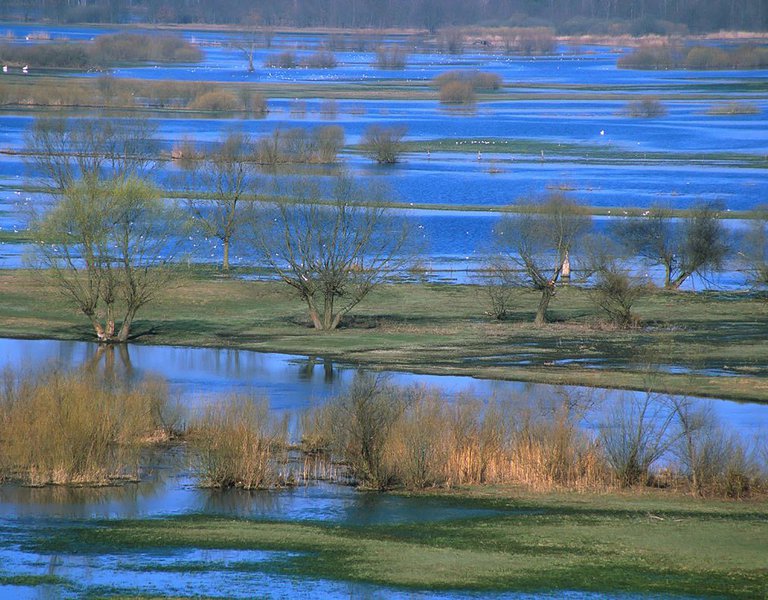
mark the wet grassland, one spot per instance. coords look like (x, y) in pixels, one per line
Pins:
(544, 543)
(706, 343)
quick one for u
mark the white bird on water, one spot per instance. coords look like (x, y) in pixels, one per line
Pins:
(5, 68)
(25, 69)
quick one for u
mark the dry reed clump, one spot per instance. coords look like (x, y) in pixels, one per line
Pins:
(457, 92)
(391, 57)
(75, 429)
(219, 100)
(240, 445)
(414, 438)
(381, 437)
(479, 81)
(733, 108)
(646, 108)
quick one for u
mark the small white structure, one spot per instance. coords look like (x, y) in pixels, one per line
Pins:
(5, 68)
(25, 69)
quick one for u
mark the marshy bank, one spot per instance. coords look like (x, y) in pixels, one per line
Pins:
(548, 534)
(87, 429)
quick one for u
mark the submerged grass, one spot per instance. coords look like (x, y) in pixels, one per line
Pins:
(685, 344)
(607, 543)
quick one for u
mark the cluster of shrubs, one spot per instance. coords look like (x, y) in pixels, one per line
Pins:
(646, 108)
(460, 87)
(695, 58)
(110, 91)
(382, 437)
(282, 147)
(82, 428)
(105, 51)
(391, 57)
(288, 60)
(300, 146)
(529, 40)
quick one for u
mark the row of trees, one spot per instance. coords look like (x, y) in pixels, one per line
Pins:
(696, 14)
(536, 249)
(110, 241)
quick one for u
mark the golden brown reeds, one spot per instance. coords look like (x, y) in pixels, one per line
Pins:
(75, 429)
(240, 444)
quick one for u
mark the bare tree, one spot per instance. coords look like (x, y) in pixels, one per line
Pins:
(249, 41)
(383, 144)
(108, 248)
(616, 288)
(224, 175)
(691, 245)
(499, 284)
(636, 434)
(67, 149)
(333, 253)
(539, 240)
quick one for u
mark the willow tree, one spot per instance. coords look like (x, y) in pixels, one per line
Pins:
(332, 251)
(538, 241)
(692, 244)
(68, 149)
(107, 246)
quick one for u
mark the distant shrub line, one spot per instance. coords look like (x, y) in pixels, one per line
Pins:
(697, 58)
(105, 51)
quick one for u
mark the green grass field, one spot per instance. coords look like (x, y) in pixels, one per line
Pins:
(646, 543)
(711, 344)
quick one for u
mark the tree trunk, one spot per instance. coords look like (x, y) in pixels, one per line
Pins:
(678, 281)
(329, 322)
(667, 275)
(316, 321)
(541, 312)
(125, 328)
(98, 329)
(565, 271)
(225, 261)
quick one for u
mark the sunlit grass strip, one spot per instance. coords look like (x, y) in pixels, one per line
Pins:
(542, 544)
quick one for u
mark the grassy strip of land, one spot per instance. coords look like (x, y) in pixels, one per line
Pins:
(687, 345)
(594, 153)
(46, 87)
(610, 543)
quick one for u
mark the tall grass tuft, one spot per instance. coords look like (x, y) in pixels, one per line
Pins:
(240, 445)
(77, 429)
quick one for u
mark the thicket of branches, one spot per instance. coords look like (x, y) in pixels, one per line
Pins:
(639, 16)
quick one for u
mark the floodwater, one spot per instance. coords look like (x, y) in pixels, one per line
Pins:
(575, 97)
(294, 383)
(168, 487)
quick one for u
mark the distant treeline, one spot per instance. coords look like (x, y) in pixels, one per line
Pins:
(582, 16)
(105, 51)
